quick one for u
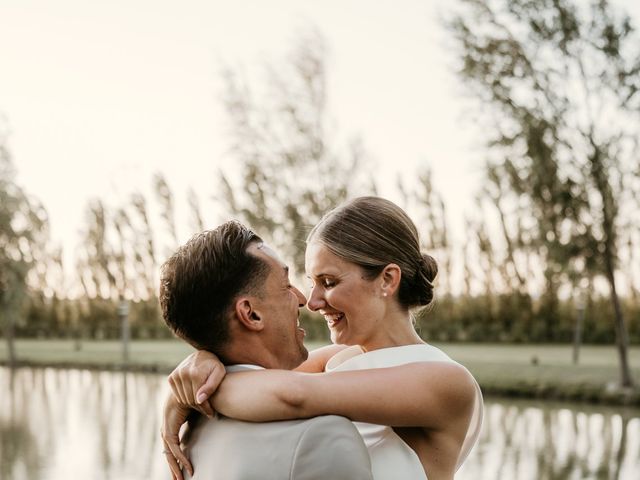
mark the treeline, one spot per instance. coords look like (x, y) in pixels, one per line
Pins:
(505, 317)
(515, 318)
(93, 318)
(554, 236)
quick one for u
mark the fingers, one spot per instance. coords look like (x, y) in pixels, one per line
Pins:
(176, 471)
(176, 457)
(196, 378)
(206, 409)
(180, 382)
(174, 454)
(211, 384)
(176, 380)
(177, 389)
(174, 415)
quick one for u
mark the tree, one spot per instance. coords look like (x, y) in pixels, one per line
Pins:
(144, 249)
(436, 232)
(291, 170)
(97, 262)
(165, 198)
(433, 228)
(23, 231)
(560, 80)
(197, 223)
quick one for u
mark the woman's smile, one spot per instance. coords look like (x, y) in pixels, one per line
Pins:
(333, 319)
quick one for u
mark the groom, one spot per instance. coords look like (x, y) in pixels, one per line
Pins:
(227, 292)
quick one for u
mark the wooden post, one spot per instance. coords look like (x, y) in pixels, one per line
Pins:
(123, 312)
(577, 333)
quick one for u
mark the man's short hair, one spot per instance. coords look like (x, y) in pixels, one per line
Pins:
(201, 281)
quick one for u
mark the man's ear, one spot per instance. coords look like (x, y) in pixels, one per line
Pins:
(390, 276)
(247, 315)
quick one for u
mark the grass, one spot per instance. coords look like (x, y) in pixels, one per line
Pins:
(548, 371)
(157, 355)
(539, 371)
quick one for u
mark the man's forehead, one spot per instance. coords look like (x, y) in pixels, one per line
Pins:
(270, 252)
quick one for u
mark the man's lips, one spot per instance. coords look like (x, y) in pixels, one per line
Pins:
(300, 329)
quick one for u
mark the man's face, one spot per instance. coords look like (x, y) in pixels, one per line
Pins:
(279, 303)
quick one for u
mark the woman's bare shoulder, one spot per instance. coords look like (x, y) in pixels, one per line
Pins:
(318, 358)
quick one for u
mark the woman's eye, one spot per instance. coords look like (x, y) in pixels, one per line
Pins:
(328, 283)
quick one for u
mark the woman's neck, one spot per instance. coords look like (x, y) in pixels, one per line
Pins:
(397, 330)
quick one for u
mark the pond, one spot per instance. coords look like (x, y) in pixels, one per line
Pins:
(58, 424)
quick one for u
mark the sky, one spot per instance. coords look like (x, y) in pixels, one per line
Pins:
(98, 96)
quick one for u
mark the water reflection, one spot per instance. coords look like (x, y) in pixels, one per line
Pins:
(538, 441)
(59, 424)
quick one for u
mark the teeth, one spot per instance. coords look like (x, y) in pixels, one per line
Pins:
(333, 317)
(298, 322)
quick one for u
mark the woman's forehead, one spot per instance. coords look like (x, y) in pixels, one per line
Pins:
(319, 260)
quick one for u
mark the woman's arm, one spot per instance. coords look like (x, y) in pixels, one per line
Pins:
(318, 358)
(191, 385)
(424, 394)
(198, 375)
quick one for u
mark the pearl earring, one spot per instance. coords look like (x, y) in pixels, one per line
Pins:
(384, 294)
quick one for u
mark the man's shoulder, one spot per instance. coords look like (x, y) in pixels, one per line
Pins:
(223, 426)
(302, 448)
(330, 447)
(327, 422)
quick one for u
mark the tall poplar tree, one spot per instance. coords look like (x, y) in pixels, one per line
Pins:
(23, 234)
(558, 82)
(292, 170)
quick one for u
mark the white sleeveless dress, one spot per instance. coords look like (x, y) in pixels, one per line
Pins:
(391, 457)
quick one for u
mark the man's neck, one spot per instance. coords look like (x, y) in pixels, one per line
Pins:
(245, 351)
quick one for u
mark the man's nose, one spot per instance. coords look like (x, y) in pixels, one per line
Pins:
(316, 301)
(302, 300)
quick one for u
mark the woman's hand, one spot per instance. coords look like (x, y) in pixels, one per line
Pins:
(192, 383)
(174, 416)
(196, 379)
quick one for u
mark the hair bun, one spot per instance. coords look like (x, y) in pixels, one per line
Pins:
(425, 274)
(429, 267)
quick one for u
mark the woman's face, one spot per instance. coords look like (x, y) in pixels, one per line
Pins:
(350, 303)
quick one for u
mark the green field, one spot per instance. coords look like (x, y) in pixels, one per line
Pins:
(547, 371)
(161, 355)
(544, 371)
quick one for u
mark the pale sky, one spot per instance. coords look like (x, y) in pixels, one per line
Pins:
(100, 95)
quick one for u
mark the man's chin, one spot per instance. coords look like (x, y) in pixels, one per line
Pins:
(295, 361)
(304, 354)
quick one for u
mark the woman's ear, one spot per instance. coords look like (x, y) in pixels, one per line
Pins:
(391, 276)
(247, 316)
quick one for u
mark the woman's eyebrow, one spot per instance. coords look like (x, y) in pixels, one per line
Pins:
(319, 275)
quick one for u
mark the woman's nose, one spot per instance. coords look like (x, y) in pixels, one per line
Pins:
(316, 300)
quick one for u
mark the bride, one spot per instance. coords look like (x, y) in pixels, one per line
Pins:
(418, 411)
